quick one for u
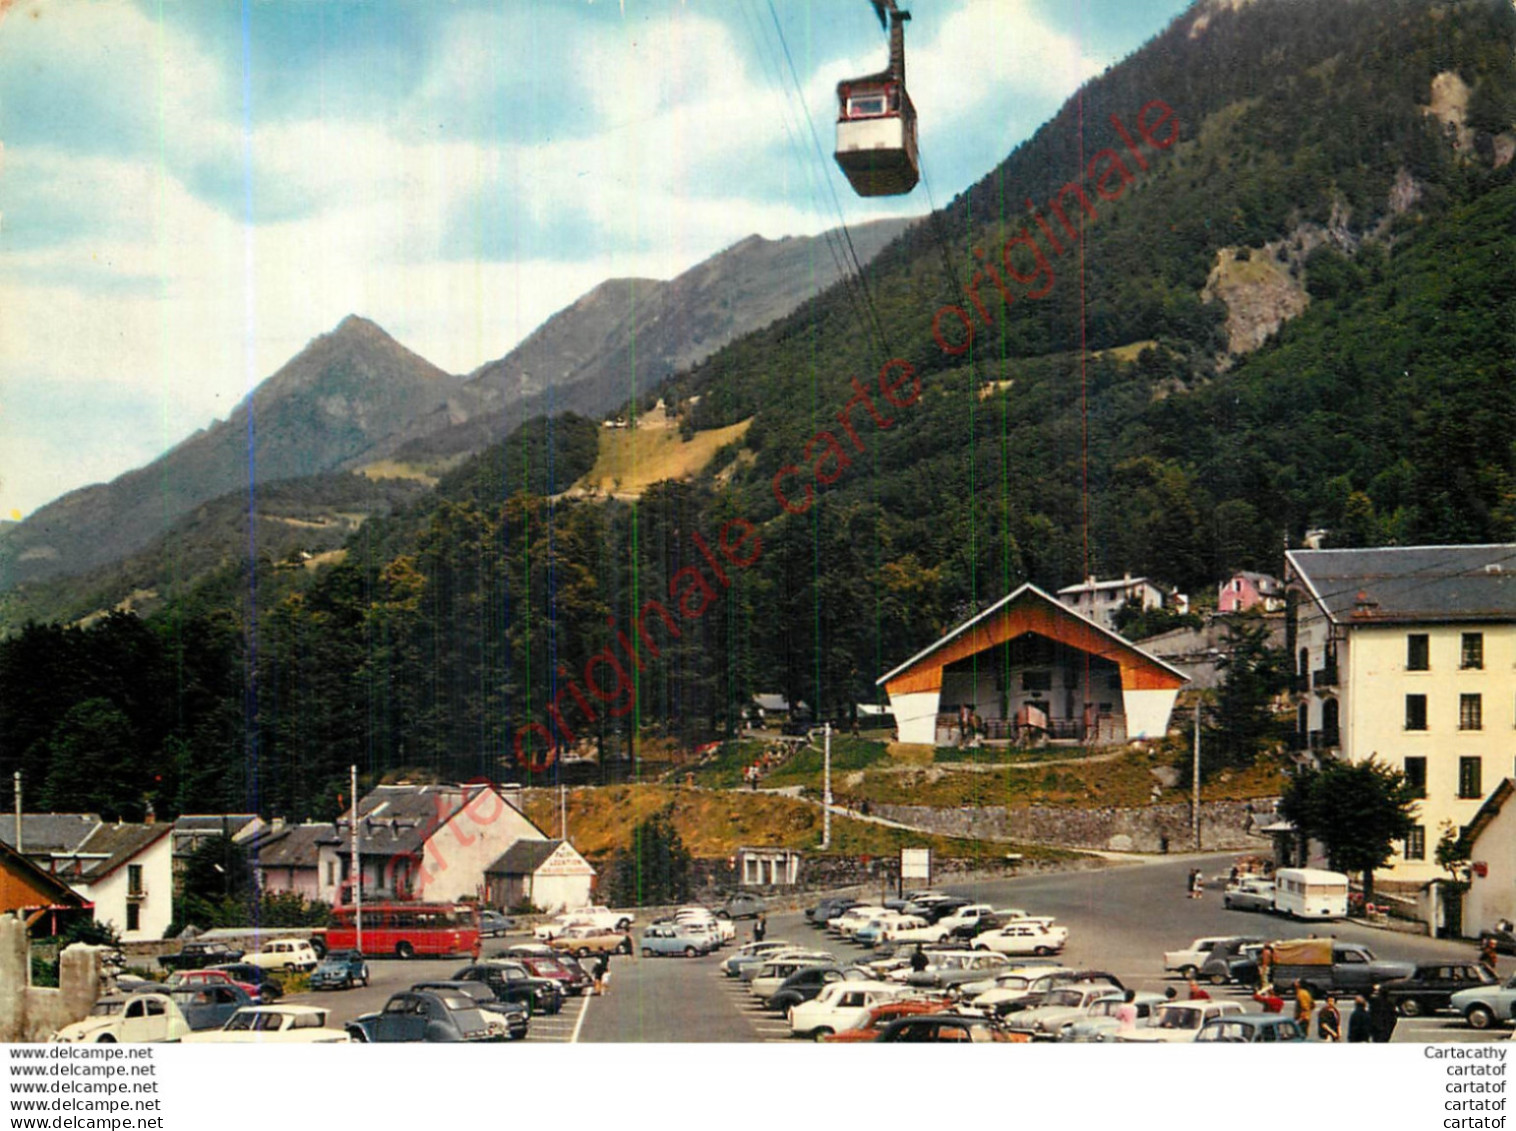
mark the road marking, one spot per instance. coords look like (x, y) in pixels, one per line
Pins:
(579, 1024)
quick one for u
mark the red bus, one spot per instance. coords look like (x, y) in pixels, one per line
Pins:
(406, 929)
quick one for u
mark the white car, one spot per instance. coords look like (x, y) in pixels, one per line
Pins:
(1179, 1021)
(964, 916)
(127, 1018)
(285, 954)
(1031, 937)
(1061, 1008)
(853, 918)
(275, 1025)
(1189, 960)
(840, 1006)
(725, 930)
(774, 974)
(1250, 893)
(592, 916)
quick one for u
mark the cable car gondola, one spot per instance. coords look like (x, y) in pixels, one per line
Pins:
(876, 123)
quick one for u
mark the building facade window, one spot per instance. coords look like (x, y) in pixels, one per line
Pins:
(1417, 652)
(1470, 783)
(133, 916)
(1415, 712)
(1416, 775)
(1416, 843)
(1471, 653)
(134, 879)
(1470, 712)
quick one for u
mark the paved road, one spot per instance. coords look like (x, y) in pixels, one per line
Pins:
(1120, 919)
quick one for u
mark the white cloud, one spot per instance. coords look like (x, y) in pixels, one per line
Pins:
(144, 274)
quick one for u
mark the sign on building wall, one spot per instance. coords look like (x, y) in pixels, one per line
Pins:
(565, 862)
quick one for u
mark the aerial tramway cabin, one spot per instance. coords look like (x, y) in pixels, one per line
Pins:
(876, 123)
(1033, 670)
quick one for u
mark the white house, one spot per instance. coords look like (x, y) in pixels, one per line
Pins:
(1100, 601)
(126, 870)
(1491, 841)
(548, 874)
(1406, 653)
(425, 842)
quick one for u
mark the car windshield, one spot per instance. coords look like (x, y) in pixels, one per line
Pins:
(1179, 1017)
(248, 1021)
(1064, 997)
(105, 1007)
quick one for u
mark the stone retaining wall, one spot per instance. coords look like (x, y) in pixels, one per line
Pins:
(34, 1013)
(1224, 825)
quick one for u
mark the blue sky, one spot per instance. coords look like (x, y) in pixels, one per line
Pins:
(190, 191)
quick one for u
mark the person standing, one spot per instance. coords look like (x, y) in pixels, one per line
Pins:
(918, 960)
(1197, 993)
(760, 928)
(601, 973)
(1266, 967)
(1489, 958)
(1358, 1022)
(1329, 1021)
(1126, 1013)
(1382, 1016)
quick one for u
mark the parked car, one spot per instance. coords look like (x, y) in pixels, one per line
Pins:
(1060, 1009)
(953, 968)
(195, 955)
(1232, 960)
(511, 1017)
(943, 1028)
(1180, 1021)
(798, 955)
(560, 968)
(127, 1018)
(1432, 985)
(1486, 1006)
(592, 916)
(1249, 893)
(875, 1020)
(340, 970)
(1100, 1022)
(750, 952)
(585, 941)
(745, 905)
(1188, 960)
(840, 1005)
(261, 985)
(802, 986)
(210, 976)
(1032, 936)
(275, 1025)
(829, 908)
(1332, 966)
(775, 974)
(209, 1005)
(424, 1016)
(492, 924)
(1249, 1028)
(286, 954)
(510, 981)
(671, 939)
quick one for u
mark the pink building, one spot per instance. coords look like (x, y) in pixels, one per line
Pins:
(1245, 590)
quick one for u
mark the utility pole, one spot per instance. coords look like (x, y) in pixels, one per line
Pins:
(1195, 783)
(19, 846)
(826, 787)
(563, 813)
(356, 864)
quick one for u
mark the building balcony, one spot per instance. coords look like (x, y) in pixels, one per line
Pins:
(1325, 677)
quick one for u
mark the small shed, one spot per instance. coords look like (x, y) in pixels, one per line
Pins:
(768, 867)
(548, 874)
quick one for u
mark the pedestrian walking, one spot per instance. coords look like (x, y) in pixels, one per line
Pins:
(476, 950)
(760, 928)
(1358, 1022)
(1382, 1016)
(1266, 997)
(918, 960)
(1329, 1022)
(601, 973)
(1305, 1005)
